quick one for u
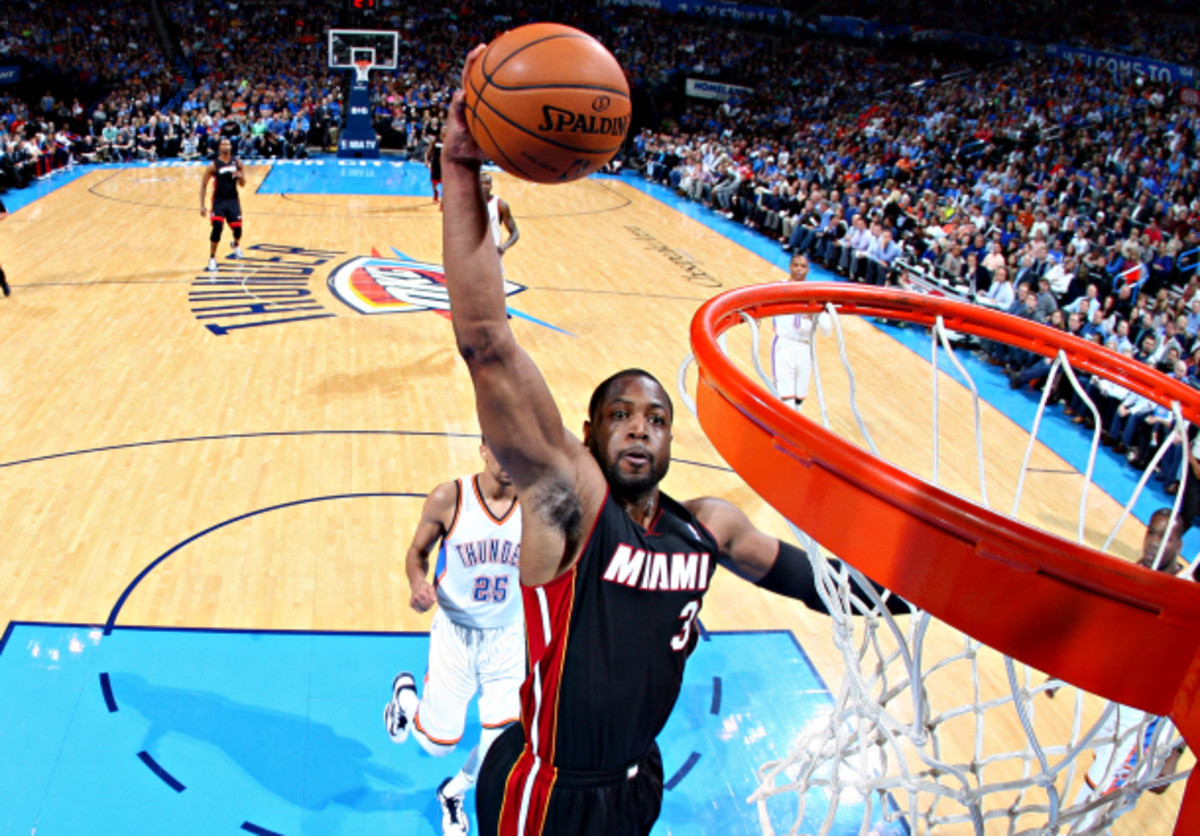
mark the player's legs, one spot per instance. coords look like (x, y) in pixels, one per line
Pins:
(233, 216)
(784, 368)
(436, 184)
(804, 364)
(494, 770)
(236, 243)
(214, 238)
(500, 670)
(436, 718)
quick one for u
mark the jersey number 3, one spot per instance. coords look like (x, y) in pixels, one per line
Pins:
(489, 589)
(688, 616)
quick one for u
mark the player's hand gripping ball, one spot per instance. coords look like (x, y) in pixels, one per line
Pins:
(547, 103)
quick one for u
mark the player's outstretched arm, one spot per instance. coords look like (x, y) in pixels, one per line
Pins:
(437, 518)
(765, 561)
(560, 485)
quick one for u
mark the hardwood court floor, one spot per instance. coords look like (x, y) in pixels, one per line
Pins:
(149, 410)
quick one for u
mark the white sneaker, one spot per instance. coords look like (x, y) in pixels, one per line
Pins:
(394, 717)
(237, 252)
(212, 265)
(454, 820)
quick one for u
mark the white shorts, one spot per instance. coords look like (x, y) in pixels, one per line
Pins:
(464, 661)
(791, 365)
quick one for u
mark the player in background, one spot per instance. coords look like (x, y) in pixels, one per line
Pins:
(433, 159)
(477, 639)
(499, 217)
(791, 350)
(3, 278)
(227, 173)
(1127, 734)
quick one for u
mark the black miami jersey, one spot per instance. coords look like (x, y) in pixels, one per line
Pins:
(607, 645)
(225, 185)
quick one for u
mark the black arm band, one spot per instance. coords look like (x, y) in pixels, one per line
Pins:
(792, 576)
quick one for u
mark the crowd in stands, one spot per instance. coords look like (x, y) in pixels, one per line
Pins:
(1033, 187)
(1069, 197)
(1165, 31)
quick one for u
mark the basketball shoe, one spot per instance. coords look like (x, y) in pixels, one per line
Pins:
(395, 718)
(454, 820)
(212, 265)
(237, 251)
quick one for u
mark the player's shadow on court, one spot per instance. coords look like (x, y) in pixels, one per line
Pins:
(299, 760)
(435, 365)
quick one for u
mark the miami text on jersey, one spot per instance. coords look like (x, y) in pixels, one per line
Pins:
(652, 571)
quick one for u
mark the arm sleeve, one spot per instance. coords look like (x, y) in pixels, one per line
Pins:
(792, 577)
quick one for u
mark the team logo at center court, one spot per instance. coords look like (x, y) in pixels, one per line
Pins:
(373, 284)
(377, 285)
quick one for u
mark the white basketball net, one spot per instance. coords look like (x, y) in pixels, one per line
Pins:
(884, 743)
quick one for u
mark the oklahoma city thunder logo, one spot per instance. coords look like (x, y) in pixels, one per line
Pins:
(377, 285)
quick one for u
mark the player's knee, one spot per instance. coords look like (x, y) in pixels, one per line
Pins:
(236, 228)
(435, 748)
(215, 236)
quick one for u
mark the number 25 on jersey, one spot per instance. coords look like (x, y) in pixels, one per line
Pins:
(491, 589)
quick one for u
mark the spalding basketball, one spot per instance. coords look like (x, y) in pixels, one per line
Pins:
(548, 103)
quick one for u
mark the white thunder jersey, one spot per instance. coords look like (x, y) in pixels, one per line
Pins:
(477, 576)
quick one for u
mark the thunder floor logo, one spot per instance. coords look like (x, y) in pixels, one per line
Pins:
(377, 285)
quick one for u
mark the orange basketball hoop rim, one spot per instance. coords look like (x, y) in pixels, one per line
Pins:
(1105, 625)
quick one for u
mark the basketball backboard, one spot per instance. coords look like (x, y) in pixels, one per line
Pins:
(348, 47)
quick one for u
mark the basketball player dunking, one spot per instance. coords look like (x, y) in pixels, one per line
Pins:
(613, 572)
(228, 174)
(477, 639)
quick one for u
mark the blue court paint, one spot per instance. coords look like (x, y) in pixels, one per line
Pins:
(17, 199)
(106, 689)
(283, 732)
(167, 778)
(672, 782)
(388, 178)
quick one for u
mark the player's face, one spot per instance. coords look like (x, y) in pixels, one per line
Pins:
(493, 467)
(631, 438)
(798, 269)
(486, 183)
(1154, 535)
(225, 148)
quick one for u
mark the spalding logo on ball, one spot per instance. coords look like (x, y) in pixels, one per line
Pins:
(548, 103)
